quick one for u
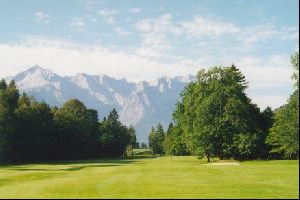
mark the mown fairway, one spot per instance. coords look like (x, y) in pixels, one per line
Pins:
(181, 177)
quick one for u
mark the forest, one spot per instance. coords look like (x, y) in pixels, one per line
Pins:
(34, 131)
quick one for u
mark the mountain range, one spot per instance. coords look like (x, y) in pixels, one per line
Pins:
(143, 104)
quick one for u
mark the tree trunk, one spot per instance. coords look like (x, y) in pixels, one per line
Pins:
(208, 158)
(221, 156)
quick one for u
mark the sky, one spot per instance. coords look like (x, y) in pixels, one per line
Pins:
(143, 40)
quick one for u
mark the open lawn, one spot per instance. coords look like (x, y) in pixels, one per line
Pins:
(162, 177)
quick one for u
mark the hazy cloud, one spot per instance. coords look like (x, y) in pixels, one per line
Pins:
(78, 24)
(201, 27)
(108, 15)
(122, 32)
(135, 10)
(41, 17)
(154, 33)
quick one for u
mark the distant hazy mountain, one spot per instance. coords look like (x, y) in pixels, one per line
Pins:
(142, 104)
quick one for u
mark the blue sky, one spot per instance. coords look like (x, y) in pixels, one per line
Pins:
(143, 40)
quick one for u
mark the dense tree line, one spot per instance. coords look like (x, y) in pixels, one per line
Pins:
(216, 118)
(33, 131)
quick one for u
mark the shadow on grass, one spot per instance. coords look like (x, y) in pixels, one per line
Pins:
(93, 161)
(76, 168)
(67, 162)
(139, 157)
(81, 164)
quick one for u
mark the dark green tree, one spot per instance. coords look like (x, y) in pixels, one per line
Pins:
(144, 145)
(153, 144)
(160, 138)
(34, 128)
(132, 140)
(9, 96)
(114, 136)
(156, 140)
(32, 131)
(3, 84)
(76, 131)
(266, 122)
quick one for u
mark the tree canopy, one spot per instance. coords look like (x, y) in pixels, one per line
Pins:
(217, 118)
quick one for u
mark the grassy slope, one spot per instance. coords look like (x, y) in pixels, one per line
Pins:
(181, 177)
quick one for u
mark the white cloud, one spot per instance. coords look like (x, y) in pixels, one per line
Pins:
(41, 17)
(162, 24)
(155, 34)
(260, 32)
(91, 4)
(108, 15)
(204, 29)
(107, 12)
(155, 46)
(144, 26)
(203, 36)
(265, 32)
(77, 23)
(201, 27)
(135, 10)
(67, 58)
(122, 32)
(266, 75)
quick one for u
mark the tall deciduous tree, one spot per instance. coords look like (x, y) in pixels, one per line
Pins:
(216, 116)
(284, 135)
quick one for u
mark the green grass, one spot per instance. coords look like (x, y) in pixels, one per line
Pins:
(181, 177)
